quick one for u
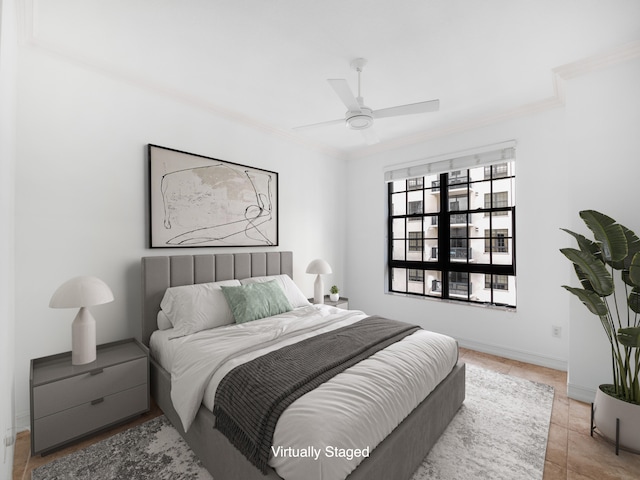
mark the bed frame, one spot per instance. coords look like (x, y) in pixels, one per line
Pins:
(397, 456)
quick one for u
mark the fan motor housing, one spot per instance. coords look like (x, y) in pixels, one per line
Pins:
(359, 120)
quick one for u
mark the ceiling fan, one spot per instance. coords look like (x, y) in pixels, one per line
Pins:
(359, 116)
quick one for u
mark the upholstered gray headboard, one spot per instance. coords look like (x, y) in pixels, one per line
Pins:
(160, 273)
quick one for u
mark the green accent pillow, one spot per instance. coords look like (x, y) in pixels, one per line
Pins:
(256, 300)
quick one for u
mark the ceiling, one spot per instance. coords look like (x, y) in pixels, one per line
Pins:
(265, 63)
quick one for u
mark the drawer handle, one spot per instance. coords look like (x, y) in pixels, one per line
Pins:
(97, 401)
(96, 371)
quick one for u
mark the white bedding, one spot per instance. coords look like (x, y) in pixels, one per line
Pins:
(356, 409)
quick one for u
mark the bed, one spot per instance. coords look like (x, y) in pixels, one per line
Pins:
(396, 456)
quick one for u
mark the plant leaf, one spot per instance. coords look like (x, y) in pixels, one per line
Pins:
(629, 337)
(634, 300)
(608, 233)
(633, 247)
(585, 244)
(592, 300)
(593, 269)
(586, 284)
(634, 270)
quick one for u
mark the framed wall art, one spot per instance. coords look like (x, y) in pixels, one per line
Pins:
(197, 201)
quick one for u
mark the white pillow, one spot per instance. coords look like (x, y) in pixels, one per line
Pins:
(291, 291)
(192, 308)
(163, 321)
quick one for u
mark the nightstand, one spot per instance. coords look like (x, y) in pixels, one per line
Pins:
(69, 402)
(343, 302)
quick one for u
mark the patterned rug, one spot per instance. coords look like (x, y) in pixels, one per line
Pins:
(499, 433)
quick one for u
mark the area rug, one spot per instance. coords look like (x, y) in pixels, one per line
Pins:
(500, 432)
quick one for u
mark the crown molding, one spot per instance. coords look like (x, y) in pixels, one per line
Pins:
(620, 54)
(31, 38)
(559, 76)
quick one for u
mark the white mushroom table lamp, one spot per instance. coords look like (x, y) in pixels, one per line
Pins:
(82, 292)
(319, 267)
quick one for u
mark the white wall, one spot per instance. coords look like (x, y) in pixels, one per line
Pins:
(603, 125)
(81, 195)
(81, 200)
(8, 46)
(524, 334)
(584, 155)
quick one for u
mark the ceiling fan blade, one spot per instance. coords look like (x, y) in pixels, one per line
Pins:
(370, 136)
(341, 87)
(321, 124)
(420, 107)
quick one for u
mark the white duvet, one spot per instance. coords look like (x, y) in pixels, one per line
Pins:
(326, 433)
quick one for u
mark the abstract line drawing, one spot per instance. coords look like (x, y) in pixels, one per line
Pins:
(199, 201)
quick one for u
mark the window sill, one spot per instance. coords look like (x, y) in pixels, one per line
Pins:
(465, 303)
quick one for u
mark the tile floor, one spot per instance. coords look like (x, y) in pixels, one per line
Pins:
(572, 454)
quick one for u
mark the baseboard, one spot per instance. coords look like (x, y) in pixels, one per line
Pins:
(520, 355)
(578, 392)
(23, 422)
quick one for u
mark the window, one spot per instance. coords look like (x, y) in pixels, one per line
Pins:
(499, 199)
(458, 202)
(496, 241)
(415, 241)
(500, 170)
(415, 208)
(465, 247)
(416, 275)
(500, 282)
(414, 184)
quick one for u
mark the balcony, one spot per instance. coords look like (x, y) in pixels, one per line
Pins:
(460, 253)
(454, 183)
(456, 219)
(455, 253)
(459, 219)
(460, 289)
(455, 288)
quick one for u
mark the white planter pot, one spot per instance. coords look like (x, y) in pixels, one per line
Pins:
(334, 297)
(605, 411)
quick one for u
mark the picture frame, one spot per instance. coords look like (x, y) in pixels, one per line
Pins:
(199, 201)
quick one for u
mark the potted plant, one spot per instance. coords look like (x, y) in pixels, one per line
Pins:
(334, 293)
(608, 269)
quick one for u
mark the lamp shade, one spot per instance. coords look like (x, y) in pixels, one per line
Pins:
(83, 291)
(319, 266)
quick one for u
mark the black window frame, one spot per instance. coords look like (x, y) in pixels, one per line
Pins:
(444, 263)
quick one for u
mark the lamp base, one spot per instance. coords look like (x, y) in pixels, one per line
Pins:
(318, 288)
(83, 338)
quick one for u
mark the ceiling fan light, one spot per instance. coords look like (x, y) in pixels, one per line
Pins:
(360, 120)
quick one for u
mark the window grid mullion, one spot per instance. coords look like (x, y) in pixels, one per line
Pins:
(444, 235)
(445, 263)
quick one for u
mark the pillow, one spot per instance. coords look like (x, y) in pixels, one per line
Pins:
(256, 300)
(163, 321)
(192, 308)
(291, 291)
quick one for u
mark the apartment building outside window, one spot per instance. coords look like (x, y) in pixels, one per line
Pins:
(451, 235)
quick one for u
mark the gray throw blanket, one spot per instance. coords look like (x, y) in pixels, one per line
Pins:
(251, 397)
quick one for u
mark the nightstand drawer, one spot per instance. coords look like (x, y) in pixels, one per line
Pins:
(70, 392)
(76, 422)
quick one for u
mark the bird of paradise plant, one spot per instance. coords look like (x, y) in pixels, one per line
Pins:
(608, 269)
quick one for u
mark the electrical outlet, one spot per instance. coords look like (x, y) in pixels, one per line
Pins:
(556, 331)
(9, 440)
